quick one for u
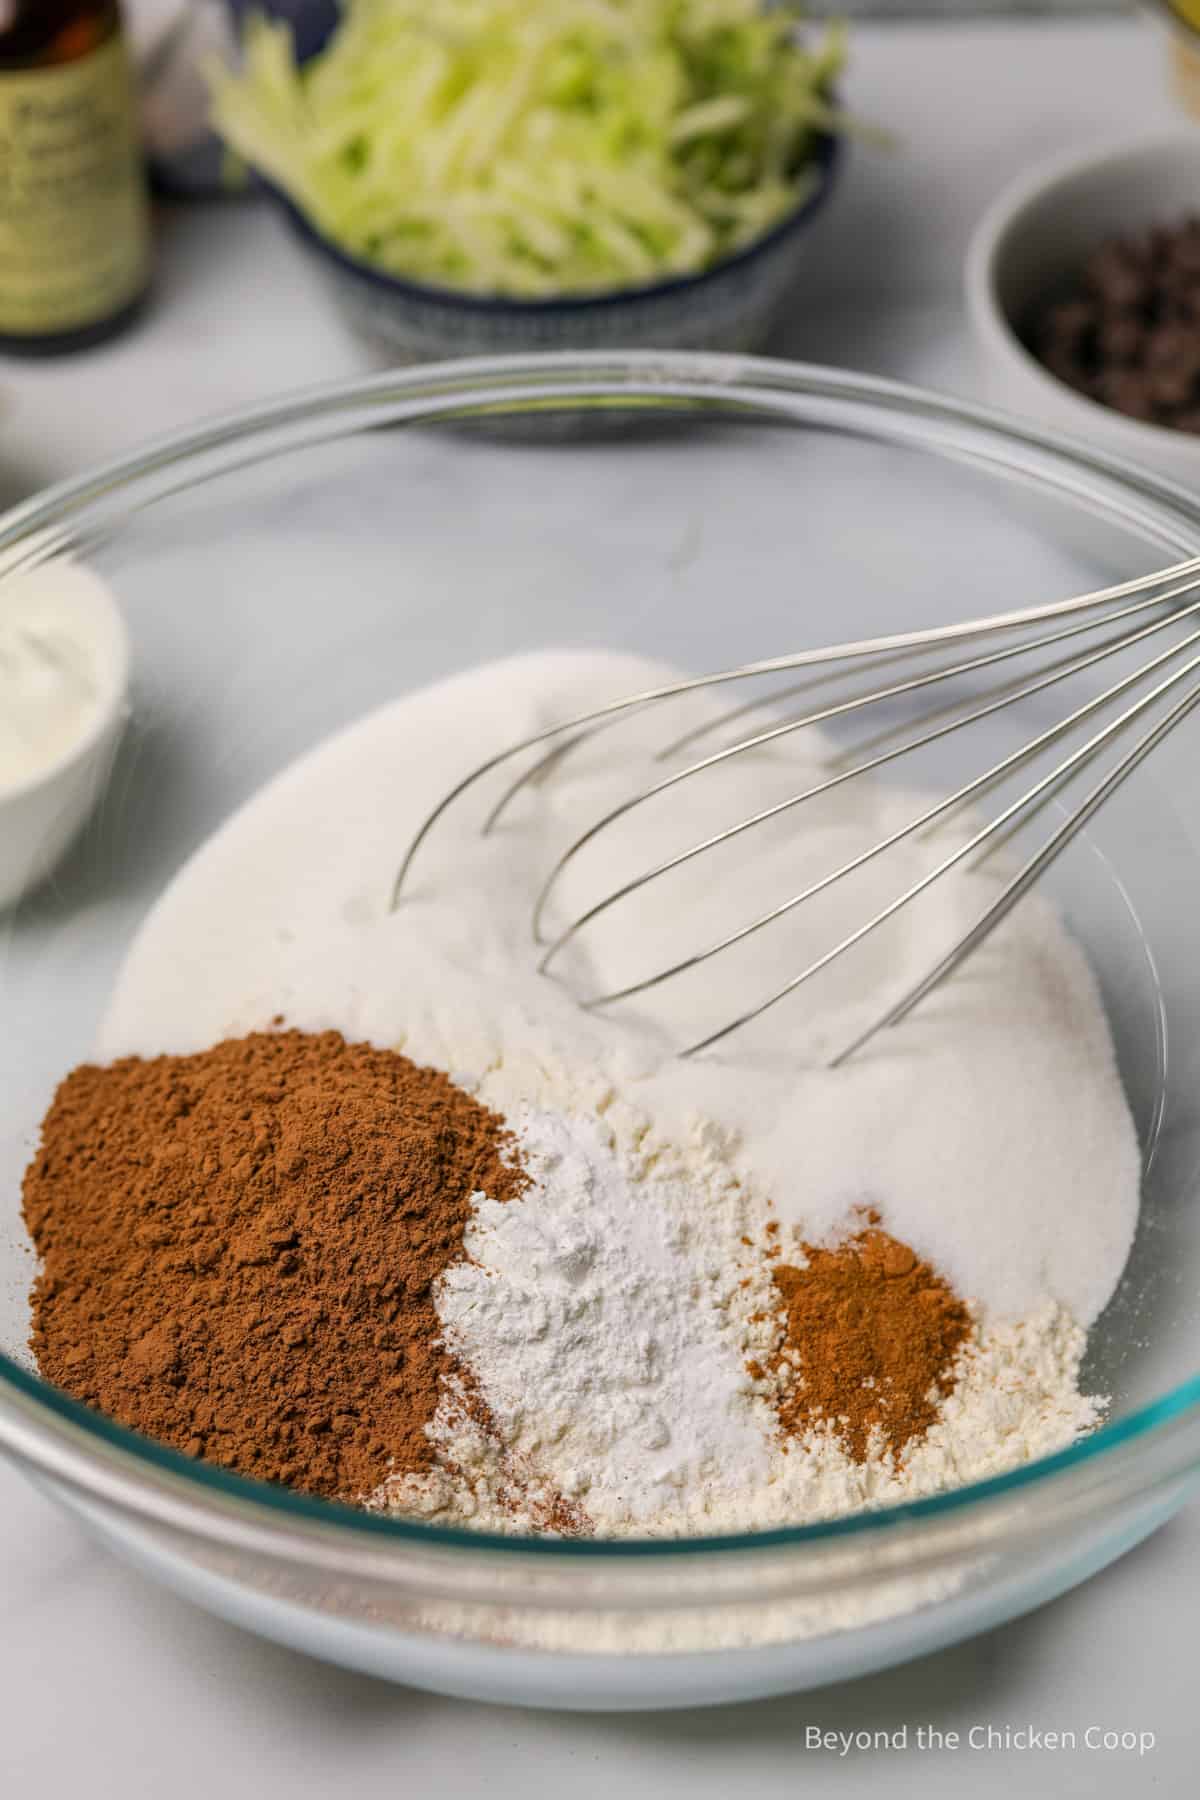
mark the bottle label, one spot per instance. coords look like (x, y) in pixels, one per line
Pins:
(74, 231)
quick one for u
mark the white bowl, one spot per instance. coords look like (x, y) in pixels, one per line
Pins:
(41, 815)
(1033, 238)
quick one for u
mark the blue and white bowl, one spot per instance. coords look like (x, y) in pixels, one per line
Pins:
(730, 306)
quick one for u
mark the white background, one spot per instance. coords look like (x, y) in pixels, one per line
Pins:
(109, 1686)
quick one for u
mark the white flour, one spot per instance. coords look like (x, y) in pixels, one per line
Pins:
(601, 1316)
(603, 1319)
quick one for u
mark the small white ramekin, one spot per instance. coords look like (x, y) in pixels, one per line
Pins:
(1033, 239)
(40, 816)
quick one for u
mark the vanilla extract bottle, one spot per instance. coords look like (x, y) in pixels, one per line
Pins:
(74, 220)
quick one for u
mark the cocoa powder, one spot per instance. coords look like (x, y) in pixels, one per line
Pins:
(239, 1250)
(871, 1338)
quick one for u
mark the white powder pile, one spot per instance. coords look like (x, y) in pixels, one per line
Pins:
(604, 1322)
(601, 1316)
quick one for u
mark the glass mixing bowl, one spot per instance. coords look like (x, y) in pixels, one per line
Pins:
(283, 571)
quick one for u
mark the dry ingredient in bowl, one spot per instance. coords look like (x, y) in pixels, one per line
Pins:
(239, 1248)
(871, 1341)
(738, 1292)
(316, 1263)
(625, 1325)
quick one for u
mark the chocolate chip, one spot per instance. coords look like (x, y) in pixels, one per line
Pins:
(1069, 325)
(1169, 346)
(1121, 338)
(1127, 391)
(1127, 332)
(1116, 278)
(1171, 389)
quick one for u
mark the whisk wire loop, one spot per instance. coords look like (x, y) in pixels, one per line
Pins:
(1009, 698)
(1119, 610)
(1053, 779)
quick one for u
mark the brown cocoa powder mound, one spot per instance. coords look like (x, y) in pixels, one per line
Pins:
(876, 1333)
(238, 1250)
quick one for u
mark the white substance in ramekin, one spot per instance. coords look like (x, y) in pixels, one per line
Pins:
(61, 659)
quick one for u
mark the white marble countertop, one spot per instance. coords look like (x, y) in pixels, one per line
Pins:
(109, 1686)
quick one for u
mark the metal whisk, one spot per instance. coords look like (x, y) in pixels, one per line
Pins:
(1157, 694)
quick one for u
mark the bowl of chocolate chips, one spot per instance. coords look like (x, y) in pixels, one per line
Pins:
(1083, 286)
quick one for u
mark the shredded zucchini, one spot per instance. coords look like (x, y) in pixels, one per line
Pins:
(536, 147)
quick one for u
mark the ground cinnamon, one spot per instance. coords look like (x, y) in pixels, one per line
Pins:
(871, 1336)
(239, 1249)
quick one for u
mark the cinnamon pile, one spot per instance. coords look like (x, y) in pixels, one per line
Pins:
(871, 1338)
(239, 1249)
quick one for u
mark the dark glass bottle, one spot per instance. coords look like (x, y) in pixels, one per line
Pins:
(74, 227)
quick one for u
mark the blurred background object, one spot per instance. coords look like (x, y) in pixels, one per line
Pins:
(1183, 22)
(311, 20)
(74, 238)
(536, 174)
(1083, 291)
(172, 39)
(952, 10)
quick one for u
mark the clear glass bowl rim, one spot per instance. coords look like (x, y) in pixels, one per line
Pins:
(55, 1436)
